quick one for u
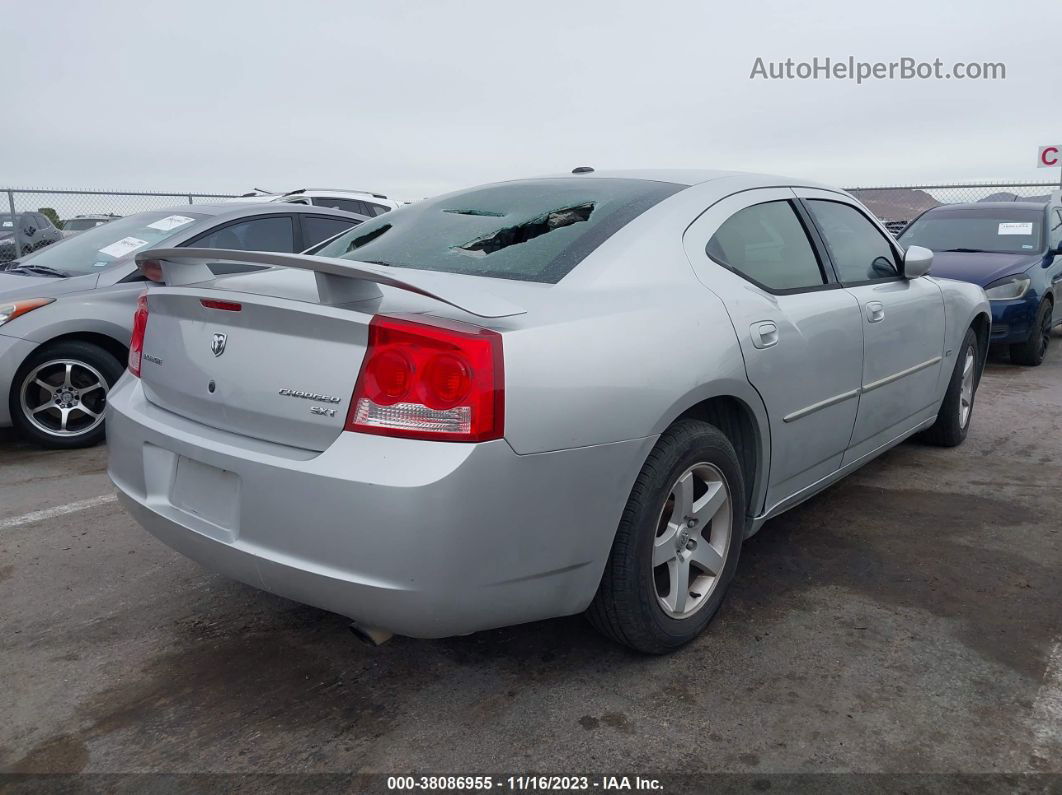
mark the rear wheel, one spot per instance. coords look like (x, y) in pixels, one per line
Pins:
(59, 394)
(953, 418)
(678, 542)
(1031, 352)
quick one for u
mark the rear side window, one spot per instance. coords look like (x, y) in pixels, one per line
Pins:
(348, 205)
(860, 253)
(274, 233)
(316, 228)
(527, 230)
(376, 209)
(767, 244)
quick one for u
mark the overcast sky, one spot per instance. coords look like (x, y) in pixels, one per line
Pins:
(414, 98)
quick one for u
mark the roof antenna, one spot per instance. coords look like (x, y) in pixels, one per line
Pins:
(583, 170)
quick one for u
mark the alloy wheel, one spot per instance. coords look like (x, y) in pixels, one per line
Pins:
(1045, 332)
(63, 397)
(967, 391)
(693, 539)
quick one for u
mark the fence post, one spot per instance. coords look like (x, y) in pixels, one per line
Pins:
(190, 199)
(15, 224)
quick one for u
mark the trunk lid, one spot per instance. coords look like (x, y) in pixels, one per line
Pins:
(279, 369)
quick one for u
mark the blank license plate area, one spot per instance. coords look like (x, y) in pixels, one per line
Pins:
(208, 492)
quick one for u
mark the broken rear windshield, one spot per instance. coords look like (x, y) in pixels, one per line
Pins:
(530, 230)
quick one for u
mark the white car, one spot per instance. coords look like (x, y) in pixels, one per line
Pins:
(353, 201)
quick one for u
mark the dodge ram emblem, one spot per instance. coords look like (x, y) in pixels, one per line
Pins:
(217, 345)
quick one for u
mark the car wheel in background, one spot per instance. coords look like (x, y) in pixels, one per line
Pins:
(678, 542)
(953, 418)
(1032, 351)
(59, 394)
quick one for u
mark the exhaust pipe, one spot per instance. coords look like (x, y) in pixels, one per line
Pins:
(371, 636)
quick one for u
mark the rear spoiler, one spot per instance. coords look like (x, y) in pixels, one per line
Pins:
(339, 281)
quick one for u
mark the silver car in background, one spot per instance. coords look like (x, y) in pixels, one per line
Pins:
(534, 398)
(66, 312)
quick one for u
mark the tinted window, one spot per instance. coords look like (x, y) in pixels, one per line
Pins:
(767, 244)
(349, 205)
(529, 230)
(376, 209)
(259, 234)
(859, 251)
(1056, 228)
(316, 228)
(1006, 230)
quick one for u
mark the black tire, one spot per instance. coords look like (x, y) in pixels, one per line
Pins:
(91, 358)
(1031, 352)
(950, 429)
(626, 607)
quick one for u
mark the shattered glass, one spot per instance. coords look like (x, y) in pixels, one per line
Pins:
(530, 230)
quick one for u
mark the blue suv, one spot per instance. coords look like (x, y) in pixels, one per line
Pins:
(1014, 251)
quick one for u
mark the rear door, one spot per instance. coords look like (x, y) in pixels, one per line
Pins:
(800, 332)
(902, 322)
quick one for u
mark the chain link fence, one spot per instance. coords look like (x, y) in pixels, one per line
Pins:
(33, 218)
(897, 206)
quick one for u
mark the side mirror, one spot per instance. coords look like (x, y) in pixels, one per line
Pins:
(916, 262)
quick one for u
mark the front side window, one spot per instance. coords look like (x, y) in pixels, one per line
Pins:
(767, 244)
(860, 253)
(274, 233)
(997, 230)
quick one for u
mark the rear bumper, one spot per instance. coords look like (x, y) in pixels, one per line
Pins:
(13, 353)
(425, 539)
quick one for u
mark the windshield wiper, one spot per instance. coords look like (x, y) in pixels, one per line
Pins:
(44, 270)
(964, 251)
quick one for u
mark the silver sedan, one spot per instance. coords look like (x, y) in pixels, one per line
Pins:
(534, 398)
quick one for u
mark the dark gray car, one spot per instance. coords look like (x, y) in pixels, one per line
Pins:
(66, 312)
(25, 233)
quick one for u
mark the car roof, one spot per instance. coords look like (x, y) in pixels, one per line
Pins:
(693, 176)
(992, 206)
(240, 209)
(337, 192)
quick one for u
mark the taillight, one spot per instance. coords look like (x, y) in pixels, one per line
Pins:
(430, 379)
(136, 344)
(226, 306)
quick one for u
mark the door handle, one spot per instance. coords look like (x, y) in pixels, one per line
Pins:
(764, 334)
(875, 312)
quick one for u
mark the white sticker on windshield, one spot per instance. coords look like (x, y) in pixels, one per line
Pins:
(170, 222)
(1016, 229)
(8, 223)
(120, 248)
